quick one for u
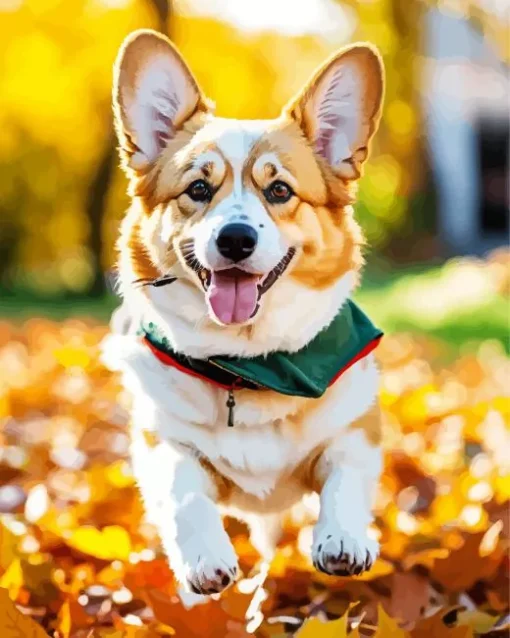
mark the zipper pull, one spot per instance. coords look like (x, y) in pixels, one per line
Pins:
(230, 405)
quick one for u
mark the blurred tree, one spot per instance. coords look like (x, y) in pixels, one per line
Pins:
(61, 192)
(97, 196)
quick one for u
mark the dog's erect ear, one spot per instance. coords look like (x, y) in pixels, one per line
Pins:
(154, 93)
(339, 108)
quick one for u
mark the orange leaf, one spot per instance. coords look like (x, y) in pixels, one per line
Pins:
(435, 626)
(410, 594)
(13, 624)
(207, 619)
(465, 565)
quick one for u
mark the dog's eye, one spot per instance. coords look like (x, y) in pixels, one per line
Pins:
(278, 192)
(199, 191)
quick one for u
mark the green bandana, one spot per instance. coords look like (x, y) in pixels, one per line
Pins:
(305, 373)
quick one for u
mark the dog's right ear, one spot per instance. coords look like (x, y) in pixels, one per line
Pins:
(154, 93)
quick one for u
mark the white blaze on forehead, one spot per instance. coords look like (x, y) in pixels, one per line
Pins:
(234, 140)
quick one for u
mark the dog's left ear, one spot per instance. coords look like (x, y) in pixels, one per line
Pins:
(339, 108)
(154, 93)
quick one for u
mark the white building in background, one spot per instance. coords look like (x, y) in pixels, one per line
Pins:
(466, 101)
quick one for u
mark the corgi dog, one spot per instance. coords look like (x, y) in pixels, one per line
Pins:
(237, 260)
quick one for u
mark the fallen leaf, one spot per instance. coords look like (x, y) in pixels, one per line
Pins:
(436, 627)
(426, 558)
(409, 597)
(315, 628)
(206, 619)
(14, 624)
(8, 545)
(465, 566)
(388, 627)
(110, 543)
(64, 620)
(12, 579)
(380, 568)
(479, 621)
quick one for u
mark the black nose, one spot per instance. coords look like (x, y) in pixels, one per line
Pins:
(236, 241)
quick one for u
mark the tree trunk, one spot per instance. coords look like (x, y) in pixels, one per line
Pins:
(97, 196)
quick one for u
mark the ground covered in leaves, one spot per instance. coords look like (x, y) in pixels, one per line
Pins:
(78, 558)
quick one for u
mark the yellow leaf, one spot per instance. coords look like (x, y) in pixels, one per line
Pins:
(70, 356)
(425, 557)
(387, 627)
(110, 543)
(64, 620)
(13, 624)
(119, 475)
(479, 621)
(381, 568)
(12, 579)
(315, 628)
(164, 629)
(8, 544)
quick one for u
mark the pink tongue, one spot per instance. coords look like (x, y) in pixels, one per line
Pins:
(233, 298)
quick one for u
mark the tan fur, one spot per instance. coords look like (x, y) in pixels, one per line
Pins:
(133, 249)
(163, 182)
(224, 486)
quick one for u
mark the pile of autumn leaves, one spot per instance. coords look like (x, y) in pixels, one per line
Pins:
(77, 557)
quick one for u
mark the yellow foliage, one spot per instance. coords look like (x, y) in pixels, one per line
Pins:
(110, 543)
(315, 628)
(387, 627)
(76, 552)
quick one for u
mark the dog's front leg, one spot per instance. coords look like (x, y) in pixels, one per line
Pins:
(346, 477)
(179, 496)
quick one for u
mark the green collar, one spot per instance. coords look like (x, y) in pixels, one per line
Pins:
(305, 373)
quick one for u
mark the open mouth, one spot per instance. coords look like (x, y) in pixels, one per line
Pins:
(234, 294)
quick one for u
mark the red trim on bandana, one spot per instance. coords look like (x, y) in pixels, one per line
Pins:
(361, 355)
(169, 361)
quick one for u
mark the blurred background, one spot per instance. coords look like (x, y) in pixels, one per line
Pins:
(76, 553)
(436, 185)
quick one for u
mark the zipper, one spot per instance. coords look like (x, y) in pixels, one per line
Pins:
(231, 401)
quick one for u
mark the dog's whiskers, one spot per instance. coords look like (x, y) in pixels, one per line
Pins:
(157, 282)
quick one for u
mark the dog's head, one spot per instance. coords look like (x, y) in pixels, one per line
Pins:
(234, 207)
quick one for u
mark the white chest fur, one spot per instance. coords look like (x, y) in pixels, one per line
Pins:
(272, 433)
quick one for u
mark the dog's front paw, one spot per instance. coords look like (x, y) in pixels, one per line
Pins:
(340, 553)
(208, 578)
(206, 567)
